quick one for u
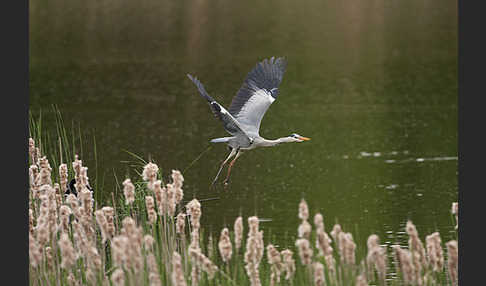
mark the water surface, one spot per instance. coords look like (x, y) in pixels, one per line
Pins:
(373, 83)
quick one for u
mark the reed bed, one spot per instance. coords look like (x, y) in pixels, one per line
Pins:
(149, 237)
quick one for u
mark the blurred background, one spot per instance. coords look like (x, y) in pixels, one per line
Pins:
(373, 83)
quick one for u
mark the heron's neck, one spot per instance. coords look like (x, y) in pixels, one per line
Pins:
(269, 142)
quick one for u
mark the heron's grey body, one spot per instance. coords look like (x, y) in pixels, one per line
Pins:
(243, 117)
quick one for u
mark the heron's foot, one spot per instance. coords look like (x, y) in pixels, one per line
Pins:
(226, 184)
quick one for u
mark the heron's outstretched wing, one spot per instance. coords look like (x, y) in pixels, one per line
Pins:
(230, 124)
(258, 92)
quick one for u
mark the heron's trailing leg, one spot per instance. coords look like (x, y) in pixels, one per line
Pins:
(233, 152)
(231, 165)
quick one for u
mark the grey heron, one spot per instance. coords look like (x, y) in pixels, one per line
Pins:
(242, 118)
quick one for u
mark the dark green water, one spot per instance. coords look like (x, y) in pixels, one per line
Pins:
(374, 83)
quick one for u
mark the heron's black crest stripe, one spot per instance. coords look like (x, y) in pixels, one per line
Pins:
(267, 74)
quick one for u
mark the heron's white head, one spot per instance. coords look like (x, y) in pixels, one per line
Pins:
(294, 137)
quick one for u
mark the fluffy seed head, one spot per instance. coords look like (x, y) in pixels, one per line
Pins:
(224, 245)
(103, 224)
(434, 251)
(319, 221)
(238, 228)
(288, 264)
(128, 191)
(68, 256)
(181, 223)
(319, 278)
(305, 251)
(194, 212)
(150, 205)
(177, 273)
(304, 229)
(303, 210)
(109, 215)
(118, 277)
(149, 174)
(452, 260)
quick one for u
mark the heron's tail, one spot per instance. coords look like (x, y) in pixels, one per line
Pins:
(221, 140)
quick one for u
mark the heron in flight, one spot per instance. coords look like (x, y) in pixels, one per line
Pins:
(242, 119)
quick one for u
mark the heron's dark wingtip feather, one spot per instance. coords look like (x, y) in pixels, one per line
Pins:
(267, 74)
(200, 87)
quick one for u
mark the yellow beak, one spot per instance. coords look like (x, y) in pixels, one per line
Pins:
(304, 138)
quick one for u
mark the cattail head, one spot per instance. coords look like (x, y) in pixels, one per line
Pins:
(376, 257)
(303, 210)
(361, 280)
(452, 260)
(68, 254)
(404, 263)
(44, 177)
(304, 230)
(323, 242)
(455, 208)
(177, 181)
(35, 252)
(336, 229)
(149, 174)
(434, 251)
(128, 191)
(254, 251)
(273, 256)
(181, 223)
(288, 264)
(119, 245)
(32, 153)
(33, 173)
(373, 241)
(49, 258)
(224, 245)
(103, 224)
(455, 212)
(177, 273)
(415, 244)
(154, 276)
(305, 251)
(275, 260)
(253, 224)
(347, 248)
(160, 197)
(319, 278)
(177, 178)
(202, 261)
(118, 277)
(171, 199)
(63, 177)
(319, 221)
(148, 242)
(194, 212)
(238, 228)
(64, 213)
(78, 173)
(109, 216)
(150, 205)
